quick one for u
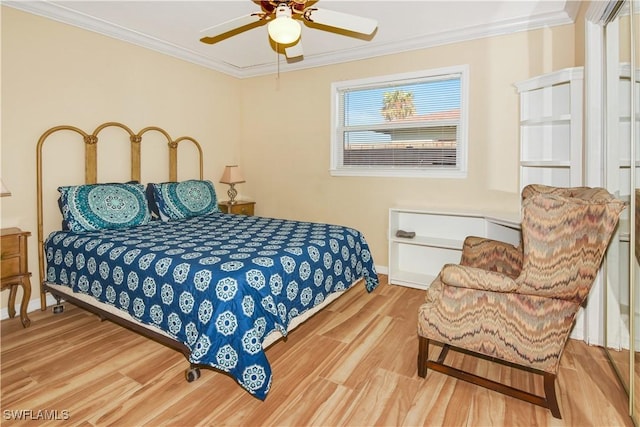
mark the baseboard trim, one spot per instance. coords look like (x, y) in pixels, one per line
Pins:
(381, 269)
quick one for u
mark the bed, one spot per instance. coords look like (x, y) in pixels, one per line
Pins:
(217, 287)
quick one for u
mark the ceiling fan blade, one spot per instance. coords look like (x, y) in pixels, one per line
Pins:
(345, 21)
(295, 50)
(233, 24)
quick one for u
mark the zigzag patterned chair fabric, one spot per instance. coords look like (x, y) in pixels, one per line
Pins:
(518, 304)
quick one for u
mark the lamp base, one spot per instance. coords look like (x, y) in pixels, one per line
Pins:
(232, 193)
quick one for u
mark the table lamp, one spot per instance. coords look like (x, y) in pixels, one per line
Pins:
(232, 176)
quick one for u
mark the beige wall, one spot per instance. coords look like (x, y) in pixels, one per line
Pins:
(580, 33)
(55, 74)
(286, 132)
(278, 130)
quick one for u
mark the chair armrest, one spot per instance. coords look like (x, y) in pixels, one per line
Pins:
(462, 276)
(492, 255)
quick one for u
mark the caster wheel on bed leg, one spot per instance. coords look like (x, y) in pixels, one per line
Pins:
(57, 309)
(192, 374)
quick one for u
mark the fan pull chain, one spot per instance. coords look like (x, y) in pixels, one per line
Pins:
(277, 66)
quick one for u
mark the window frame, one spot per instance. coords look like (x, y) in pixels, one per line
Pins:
(337, 143)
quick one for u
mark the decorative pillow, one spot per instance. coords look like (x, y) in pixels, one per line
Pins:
(99, 206)
(177, 200)
(65, 224)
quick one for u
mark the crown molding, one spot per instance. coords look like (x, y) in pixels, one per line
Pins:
(62, 14)
(422, 42)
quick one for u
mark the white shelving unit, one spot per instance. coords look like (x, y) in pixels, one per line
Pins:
(619, 147)
(551, 129)
(416, 261)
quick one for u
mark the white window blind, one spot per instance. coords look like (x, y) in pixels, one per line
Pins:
(410, 124)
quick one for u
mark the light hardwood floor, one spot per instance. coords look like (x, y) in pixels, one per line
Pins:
(354, 363)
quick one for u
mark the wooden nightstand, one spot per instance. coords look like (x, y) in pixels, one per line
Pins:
(240, 207)
(14, 269)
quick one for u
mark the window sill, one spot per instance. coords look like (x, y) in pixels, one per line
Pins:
(396, 173)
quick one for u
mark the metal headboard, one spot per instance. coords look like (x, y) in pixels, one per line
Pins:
(91, 170)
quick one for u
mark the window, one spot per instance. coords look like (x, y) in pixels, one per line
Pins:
(401, 125)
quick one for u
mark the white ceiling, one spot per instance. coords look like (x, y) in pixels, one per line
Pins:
(175, 27)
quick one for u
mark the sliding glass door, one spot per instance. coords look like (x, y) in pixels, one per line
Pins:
(621, 77)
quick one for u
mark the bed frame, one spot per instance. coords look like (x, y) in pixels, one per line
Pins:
(91, 177)
(91, 170)
(104, 311)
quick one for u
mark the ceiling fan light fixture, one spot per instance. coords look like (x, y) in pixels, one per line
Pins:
(284, 30)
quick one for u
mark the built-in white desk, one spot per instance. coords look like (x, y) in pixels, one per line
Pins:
(439, 235)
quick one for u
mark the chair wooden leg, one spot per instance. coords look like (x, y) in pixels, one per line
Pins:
(443, 353)
(549, 400)
(550, 393)
(423, 356)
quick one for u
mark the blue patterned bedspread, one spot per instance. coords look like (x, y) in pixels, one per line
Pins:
(218, 283)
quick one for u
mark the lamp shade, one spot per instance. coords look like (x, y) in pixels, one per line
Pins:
(5, 191)
(231, 175)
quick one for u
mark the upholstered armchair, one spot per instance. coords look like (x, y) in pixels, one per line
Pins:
(517, 305)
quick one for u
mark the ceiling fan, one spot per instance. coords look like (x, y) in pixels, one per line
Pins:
(282, 17)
